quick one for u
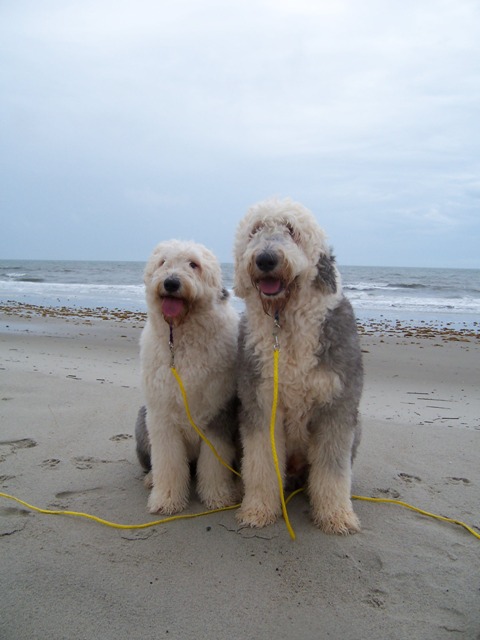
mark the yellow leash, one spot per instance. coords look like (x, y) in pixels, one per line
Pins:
(276, 354)
(190, 516)
(421, 511)
(273, 417)
(197, 430)
(115, 525)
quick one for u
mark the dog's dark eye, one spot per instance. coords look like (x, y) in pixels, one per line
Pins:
(161, 263)
(256, 228)
(193, 264)
(291, 230)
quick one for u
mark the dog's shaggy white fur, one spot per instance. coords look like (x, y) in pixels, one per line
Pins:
(184, 290)
(283, 266)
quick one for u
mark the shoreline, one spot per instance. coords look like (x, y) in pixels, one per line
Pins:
(446, 329)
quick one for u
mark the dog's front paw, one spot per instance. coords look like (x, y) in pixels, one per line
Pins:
(220, 501)
(341, 522)
(167, 505)
(256, 515)
(225, 496)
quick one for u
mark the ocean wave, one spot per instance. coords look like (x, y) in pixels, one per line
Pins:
(131, 297)
(419, 304)
(29, 279)
(20, 277)
(383, 286)
(365, 286)
(407, 285)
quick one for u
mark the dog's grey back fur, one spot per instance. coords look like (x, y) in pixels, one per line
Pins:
(340, 351)
(141, 436)
(340, 348)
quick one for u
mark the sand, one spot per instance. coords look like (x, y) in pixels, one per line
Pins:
(69, 396)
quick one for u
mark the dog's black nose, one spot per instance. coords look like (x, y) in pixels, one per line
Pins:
(171, 284)
(266, 261)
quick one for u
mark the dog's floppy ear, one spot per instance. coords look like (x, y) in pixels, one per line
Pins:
(238, 286)
(326, 278)
(152, 264)
(211, 271)
(148, 271)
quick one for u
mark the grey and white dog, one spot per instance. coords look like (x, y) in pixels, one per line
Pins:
(284, 269)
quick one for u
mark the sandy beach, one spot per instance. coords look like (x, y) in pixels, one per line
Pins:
(69, 397)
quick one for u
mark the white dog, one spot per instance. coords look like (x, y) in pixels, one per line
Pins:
(284, 270)
(186, 302)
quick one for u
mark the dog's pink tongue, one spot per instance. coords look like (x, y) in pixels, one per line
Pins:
(270, 286)
(172, 307)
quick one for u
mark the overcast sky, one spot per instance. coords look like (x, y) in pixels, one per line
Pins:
(127, 122)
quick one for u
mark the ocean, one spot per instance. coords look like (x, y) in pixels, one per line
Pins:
(389, 293)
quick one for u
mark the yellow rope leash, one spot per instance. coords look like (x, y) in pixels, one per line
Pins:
(190, 516)
(421, 511)
(197, 430)
(276, 354)
(115, 525)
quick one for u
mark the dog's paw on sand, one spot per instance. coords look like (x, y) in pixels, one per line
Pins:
(342, 522)
(256, 515)
(158, 502)
(220, 501)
